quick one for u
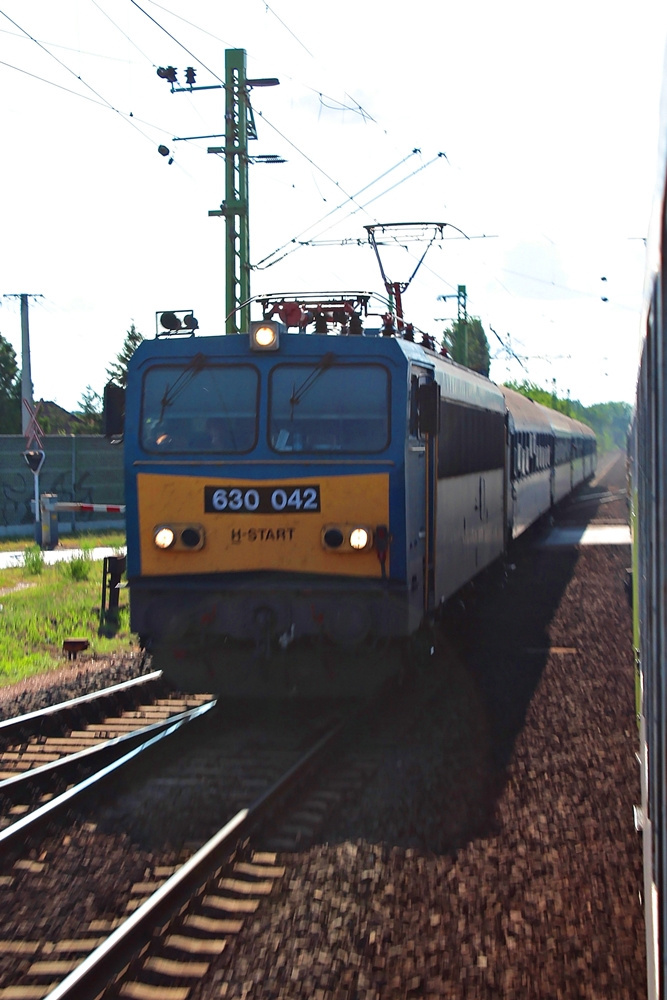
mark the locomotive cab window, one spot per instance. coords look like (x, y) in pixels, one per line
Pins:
(329, 407)
(199, 408)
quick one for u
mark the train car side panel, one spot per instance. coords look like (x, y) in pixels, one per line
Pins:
(470, 500)
(470, 528)
(530, 455)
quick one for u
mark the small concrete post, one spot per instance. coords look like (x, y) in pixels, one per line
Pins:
(49, 520)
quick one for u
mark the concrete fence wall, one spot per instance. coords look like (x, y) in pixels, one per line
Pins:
(80, 468)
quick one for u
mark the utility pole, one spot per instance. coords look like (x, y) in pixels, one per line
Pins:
(26, 376)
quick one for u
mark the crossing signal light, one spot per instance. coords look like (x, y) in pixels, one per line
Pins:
(167, 73)
(190, 75)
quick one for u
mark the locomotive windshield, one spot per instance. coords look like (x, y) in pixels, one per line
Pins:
(200, 407)
(329, 407)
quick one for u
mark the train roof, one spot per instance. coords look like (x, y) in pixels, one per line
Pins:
(526, 413)
(531, 416)
(567, 425)
(457, 383)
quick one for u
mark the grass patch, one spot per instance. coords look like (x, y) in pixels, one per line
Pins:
(39, 611)
(33, 560)
(79, 566)
(90, 538)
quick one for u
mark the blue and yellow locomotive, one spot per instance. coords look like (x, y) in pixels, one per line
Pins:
(294, 500)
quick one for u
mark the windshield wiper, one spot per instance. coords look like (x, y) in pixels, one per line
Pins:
(297, 394)
(192, 369)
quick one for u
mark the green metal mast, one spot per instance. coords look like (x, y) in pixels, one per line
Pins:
(239, 127)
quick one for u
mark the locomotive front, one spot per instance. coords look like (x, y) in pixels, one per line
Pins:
(262, 480)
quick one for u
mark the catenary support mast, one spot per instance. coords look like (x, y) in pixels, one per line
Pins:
(235, 207)
(239, 128)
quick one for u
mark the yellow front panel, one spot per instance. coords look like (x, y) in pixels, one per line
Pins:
(236, 542)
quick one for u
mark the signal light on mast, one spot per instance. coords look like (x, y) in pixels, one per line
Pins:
(190, 75)
(167, 73)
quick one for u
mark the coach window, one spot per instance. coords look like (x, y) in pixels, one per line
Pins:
(329, 408)
(200, 407)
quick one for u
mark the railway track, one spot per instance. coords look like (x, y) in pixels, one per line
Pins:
(220, 889)
(212, 896)
(44, 763)
(197, 908)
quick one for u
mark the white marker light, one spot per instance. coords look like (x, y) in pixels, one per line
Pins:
(264, 336)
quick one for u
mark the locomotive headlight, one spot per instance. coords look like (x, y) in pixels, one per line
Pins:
(346, 538)
(164, 538)
(358, 538)
(179, 536)
(264, 336)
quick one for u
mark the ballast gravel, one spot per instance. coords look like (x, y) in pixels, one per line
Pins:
(493, 854)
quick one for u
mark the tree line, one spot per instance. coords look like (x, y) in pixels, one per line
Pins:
(86, 417)
(610, 421)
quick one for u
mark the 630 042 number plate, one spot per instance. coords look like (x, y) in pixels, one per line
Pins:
(261, 499)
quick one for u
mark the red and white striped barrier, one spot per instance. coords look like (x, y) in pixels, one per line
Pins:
(95, 508)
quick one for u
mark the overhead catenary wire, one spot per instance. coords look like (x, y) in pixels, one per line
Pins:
(294, 245)
(127, 116)
(178, 42)
(288, 29)
(294, 145)
(101, 98)
(123, 33)
(337, 208)
(358, 108)
(101, 103)
(66, 48)
(104, 102)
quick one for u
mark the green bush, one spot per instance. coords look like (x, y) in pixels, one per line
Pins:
(33, 560)
(79, 567)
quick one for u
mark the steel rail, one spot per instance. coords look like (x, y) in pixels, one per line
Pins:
(7, 725)
(106, 962)
(73, 759)
(18, 831)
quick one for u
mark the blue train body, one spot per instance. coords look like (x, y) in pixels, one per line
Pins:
(293, 509)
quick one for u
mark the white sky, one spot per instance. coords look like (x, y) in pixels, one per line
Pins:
(547, 114)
